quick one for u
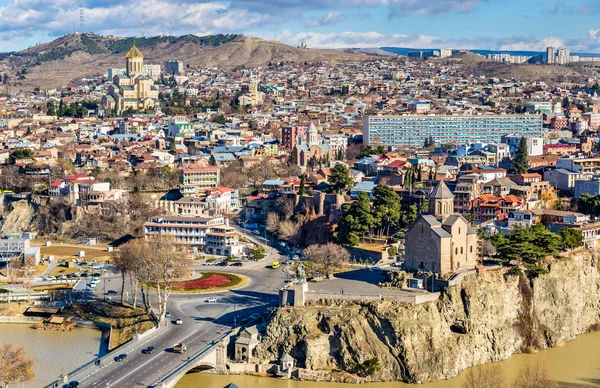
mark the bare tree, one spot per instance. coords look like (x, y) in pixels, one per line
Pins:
(273, 221)
(535, 375)
(288, 230)
(23, 269)
(486, 376)
(168, 261)
(15, 367)
(327, 256)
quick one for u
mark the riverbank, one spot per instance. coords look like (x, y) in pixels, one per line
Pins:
(54, 351)
(574, 365)
(487, 318)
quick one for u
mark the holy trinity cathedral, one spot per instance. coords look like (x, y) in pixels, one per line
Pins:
(133, 89)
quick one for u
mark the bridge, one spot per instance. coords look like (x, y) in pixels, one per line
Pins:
(212, 357)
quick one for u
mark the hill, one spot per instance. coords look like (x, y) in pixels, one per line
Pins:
(72, 57)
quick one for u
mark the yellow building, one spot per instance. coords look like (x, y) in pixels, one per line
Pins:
(133, 89)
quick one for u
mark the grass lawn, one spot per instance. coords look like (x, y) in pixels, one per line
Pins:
(210, 282)
(41, 269)
(62, 270)
(50, 287)
(125, 321)
(377, 247)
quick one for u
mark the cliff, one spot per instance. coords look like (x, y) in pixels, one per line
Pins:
(487, 318)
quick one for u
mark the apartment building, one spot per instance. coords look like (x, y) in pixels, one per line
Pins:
(210, 234)
(198, 178)
(413, 131)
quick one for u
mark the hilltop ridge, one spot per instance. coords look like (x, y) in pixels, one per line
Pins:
(72, 57)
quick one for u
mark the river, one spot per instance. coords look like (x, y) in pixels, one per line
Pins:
(54, 351)
(575, 365)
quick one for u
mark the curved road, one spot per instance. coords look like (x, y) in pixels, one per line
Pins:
(202, 324)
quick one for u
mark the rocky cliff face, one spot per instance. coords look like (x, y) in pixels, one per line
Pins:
(487, 318)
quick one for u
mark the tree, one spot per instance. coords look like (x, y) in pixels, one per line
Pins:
(588, 204)
(328, 256)
(520, 164)
(412, 214)
(565, 103)
(571, 238)
(340, 178)
(51, 109)
(220, 119)
(302, 183)
(386, 206)
(537, 375)
(486, 376)
(356, 221)
(257, 253)
(19, 154)
(15, 367)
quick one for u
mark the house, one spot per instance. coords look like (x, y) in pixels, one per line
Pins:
(441, 241)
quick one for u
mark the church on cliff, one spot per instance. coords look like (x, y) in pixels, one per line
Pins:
(441, 241)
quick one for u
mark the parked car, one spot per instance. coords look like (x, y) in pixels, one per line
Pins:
(237, 264)
(179, 321)
(120, 357)
(222, 264)
(256, 232)
(212, 299)
(148, 350)
(375, 268)
(113, 293)
(168, 314)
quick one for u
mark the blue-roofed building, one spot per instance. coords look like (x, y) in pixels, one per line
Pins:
(363, 187)
(221, 159)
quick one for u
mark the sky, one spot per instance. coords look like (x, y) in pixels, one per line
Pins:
(456, 24)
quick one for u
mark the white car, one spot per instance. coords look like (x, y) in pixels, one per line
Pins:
(212, 299)
(179, 321)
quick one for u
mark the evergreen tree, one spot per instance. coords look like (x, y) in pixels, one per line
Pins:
(340, 178)
(61, 108)
(565, 103)
(419, 174)
(302, 183)
(408, 178)
(386, 206)
(520, 163)
(51, 109)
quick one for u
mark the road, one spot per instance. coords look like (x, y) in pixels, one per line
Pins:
(202, 323)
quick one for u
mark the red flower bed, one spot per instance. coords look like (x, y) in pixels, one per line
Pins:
(204, 282)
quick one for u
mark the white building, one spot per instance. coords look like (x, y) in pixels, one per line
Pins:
(445, 53)
(152, 71)
(337, 143)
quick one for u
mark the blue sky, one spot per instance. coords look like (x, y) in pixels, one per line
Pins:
(457, 24)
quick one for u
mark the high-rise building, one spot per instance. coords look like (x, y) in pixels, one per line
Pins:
(550, 54)
(445, 53)
(174, 67)
(563, 56)
(413, 131)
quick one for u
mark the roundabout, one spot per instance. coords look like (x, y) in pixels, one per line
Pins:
(208, 282)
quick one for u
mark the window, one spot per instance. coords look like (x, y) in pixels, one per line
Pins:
(458, 230)
(471, 248)
(461, 250)
(456, 251)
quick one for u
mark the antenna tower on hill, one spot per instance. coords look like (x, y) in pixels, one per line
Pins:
(81, 21)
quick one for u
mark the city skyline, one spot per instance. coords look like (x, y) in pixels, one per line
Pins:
(470, 24)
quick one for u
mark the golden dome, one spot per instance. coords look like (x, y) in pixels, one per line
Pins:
(134, 52)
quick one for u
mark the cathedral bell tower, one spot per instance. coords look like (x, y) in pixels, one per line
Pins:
(135, 62)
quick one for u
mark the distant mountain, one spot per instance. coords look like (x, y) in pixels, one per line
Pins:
(405, 50)
(375, 51)
(72, 57)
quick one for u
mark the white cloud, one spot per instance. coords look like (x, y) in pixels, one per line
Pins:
(330, 18)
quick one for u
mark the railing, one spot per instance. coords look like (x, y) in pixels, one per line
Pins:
(106, 359)
(192, 359)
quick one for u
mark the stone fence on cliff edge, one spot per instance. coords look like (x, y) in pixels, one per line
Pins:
(402, 296)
